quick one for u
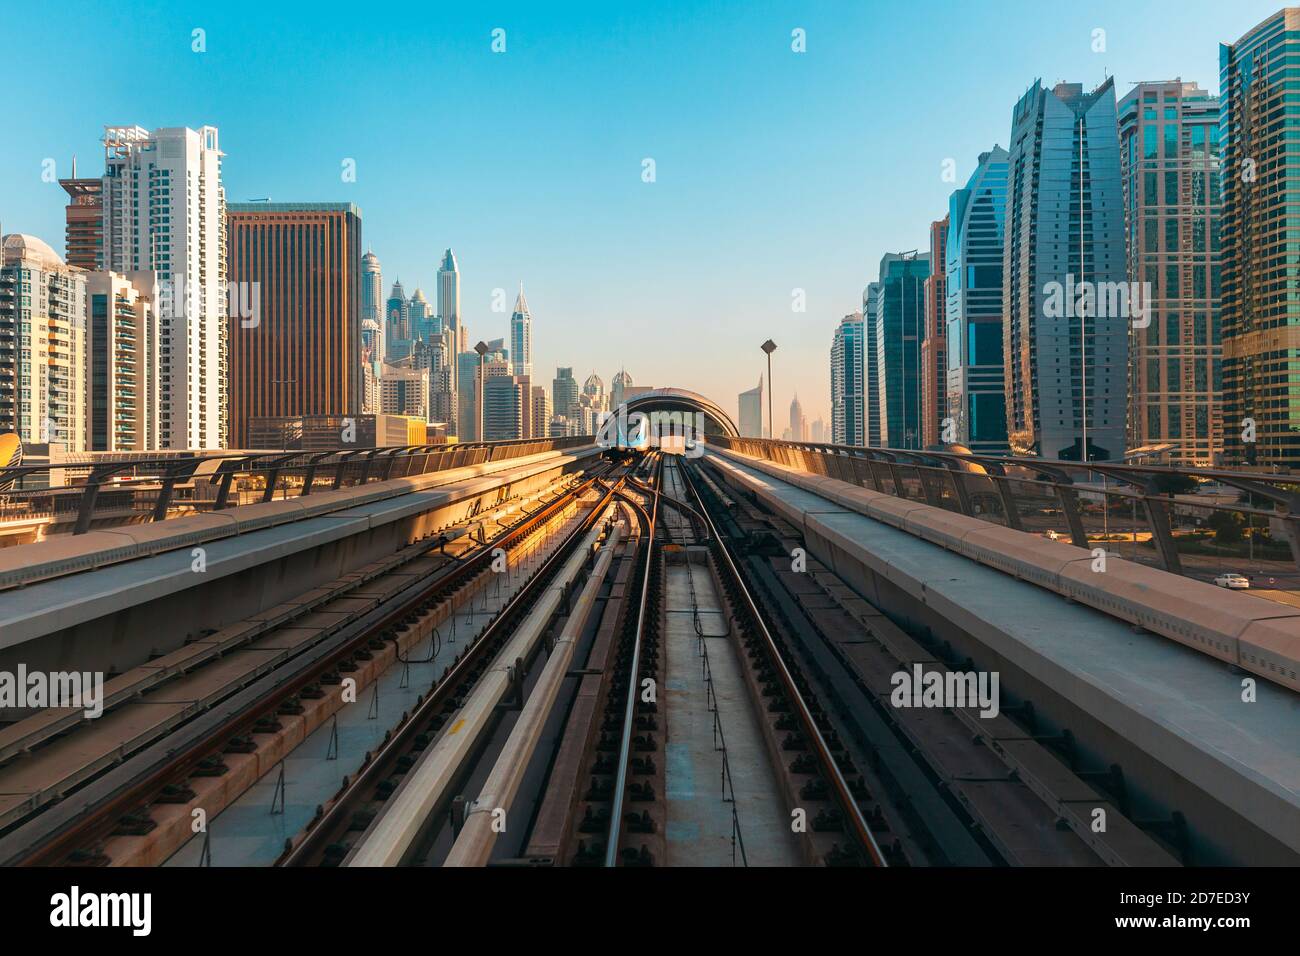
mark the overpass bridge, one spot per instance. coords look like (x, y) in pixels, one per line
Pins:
(888, 657)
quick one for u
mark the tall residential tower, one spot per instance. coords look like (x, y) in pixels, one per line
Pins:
(1169, 144)
(1066, 357)
(1260, 88)
(164, 211)
(975, 375)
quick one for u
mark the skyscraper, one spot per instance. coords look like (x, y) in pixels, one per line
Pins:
(372, 305)
(301, 262)
(934, 360)
(449, 301)
(594, 389)
(798, 423)
(521, 336)
(507, 407)
(122, 328)
(1261, 284)
(466, 405)
(541, 416)
(1169, 146)
(618, 389)
(871, 401)
(848, 409)
(164, 211)
(397, 328)
(84, 239)
(975, 374)
(419, 315)
(564, 392)
(750, 419)
(899, 322)
(1066, 358)
(43, 386)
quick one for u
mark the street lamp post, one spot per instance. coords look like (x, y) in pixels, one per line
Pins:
(481, 349)
(769, 347)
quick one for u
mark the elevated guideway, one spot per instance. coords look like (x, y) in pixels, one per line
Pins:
(1196, 746)
(109, 600)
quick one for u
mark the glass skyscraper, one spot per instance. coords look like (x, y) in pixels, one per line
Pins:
(1259, 82)
(975, 376)
(848, 419)
(900, 323)
(1169, 143)
(871, 379)
(521, 336)
(1066, 359)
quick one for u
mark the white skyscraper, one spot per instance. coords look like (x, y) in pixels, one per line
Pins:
(164, 211)
(449, 300)
(372, 304)
(521, 336)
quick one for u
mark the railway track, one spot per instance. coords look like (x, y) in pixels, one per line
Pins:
(402, 793)
(951, 786)
(108, 787)
(574, 730)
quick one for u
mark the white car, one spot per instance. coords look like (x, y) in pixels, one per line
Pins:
(1233, 581)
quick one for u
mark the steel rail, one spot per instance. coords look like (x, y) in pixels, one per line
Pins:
(843, 793)
(90, 811)
(629, 712)
(337, 818)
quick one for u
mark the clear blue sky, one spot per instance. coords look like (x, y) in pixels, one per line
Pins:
(775, 170)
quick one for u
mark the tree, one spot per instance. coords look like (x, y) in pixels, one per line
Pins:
(1173, 484)
(1226, 526)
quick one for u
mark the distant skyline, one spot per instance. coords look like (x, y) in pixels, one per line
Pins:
(774, 170)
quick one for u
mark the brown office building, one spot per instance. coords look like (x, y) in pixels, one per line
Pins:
(84, 239)
(295, 311)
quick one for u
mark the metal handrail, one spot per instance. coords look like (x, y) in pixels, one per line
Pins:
(944, 480)
(156, 475)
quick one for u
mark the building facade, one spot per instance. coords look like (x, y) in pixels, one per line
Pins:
(124, 382)
(1066, 354)
(84, 237)
(934, 359)
(564, 392)
(164, 211)
(372, 305)
(848, 382)
(1169, 150)
(507, 407)
(975, 376)
(521, 336)
(1260, 89)
(404, 391)
(871, 400)
(300, 264)
(900, 322)
(752, 412)
(397, 326)
(43, 346)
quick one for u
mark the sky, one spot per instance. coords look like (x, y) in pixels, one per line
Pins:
(773, 170)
